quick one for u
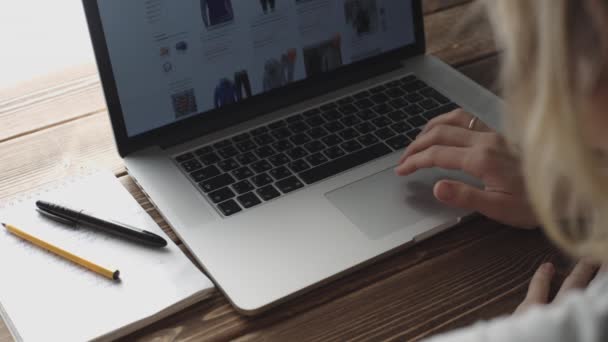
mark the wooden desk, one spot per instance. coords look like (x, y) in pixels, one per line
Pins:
(58, 126)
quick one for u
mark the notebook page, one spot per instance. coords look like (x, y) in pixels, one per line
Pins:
(51, 299)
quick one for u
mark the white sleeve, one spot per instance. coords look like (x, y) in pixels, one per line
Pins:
(581, 316)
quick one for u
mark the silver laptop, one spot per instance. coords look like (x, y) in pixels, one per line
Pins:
(266, 132)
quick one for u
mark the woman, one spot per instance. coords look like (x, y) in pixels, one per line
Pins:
(549, 171)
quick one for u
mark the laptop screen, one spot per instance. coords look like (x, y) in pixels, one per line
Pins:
(174, 59)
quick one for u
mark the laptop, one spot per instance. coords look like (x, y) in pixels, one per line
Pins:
(266, 132)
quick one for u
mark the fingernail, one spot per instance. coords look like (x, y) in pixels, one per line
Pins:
(446, 192)
(548, 268)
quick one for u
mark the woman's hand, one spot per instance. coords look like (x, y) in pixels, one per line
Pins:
(540, 285)
(448, 143)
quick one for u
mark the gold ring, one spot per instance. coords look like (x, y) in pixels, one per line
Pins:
(472, 123)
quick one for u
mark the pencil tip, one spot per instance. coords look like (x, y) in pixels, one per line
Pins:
(4, 225)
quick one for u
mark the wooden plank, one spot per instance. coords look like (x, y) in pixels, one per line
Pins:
(46, 155)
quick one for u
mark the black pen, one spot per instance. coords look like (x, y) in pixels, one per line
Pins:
(70, 216)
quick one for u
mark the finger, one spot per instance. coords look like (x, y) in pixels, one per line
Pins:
(459, 118)
(447, 157)
(465, 196)
(539, 288)
(579, 278)
(440, 135)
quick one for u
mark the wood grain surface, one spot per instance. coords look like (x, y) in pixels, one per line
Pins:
(57, 125)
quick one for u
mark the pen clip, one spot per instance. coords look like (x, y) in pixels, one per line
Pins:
(56, 218)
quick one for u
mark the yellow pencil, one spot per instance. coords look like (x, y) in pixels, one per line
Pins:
(113, 275)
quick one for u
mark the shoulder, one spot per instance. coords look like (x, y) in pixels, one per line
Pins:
(580, 316)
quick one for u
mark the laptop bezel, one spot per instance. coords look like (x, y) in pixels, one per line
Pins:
(199, 125)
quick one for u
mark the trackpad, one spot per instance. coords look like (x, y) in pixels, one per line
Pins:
(384, 203)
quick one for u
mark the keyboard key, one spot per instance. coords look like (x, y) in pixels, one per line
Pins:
(317, 132)
(246, 158)
(264, 139)
(441, 110)
(280, 173)
(222, 144)
(229, 208)
(334, 152)
(385, 133)
(362, 95)
(399, 103)
(246, 145)
(288, 185)
(383, 109)
(413, 134)
(348, 109)
(242, 187)
(379, 98)
(228, 152)
(265, 152)
(248, 200)
(203, 150)
(277, 124)
(299, 166)
(300, 139)
(398, 116)
(401, 127)
(221, 195)
(184, 157)
(268, 192)
(364, 104)
(297, 153)
(368, 140)
(242, 173)
(204, 174)
(315, 121)
(334, 127)
(191, 165)
(414, 86)
(429, 104)
(228, 165)
(331, 140)
(365, 128)
(241, 137)
(393, 84)
(412, 110)
(282, 145)
(329, 106)
(349, 133)
(345, 100)
(416, 121)
(414, 97)
(314, 146)
(367, 114)
(259, 130)
(216, 183)
(345, 163)
(261, 166)
(435, 95)
(332, 115)
(316, 159)
(395, 92)
(295, 118)
(312, 112)
(281, 133)
(261, 180)
(351, 146)
(381, 122)
(299, 127)
(350, 120)
(210, 159)
(278, 159)
(398, 142)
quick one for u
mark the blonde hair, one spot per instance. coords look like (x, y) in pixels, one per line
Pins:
(553, 61)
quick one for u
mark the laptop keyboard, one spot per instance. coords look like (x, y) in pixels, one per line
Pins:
(270, 161)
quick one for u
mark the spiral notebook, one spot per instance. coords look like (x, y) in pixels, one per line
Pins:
(45, 298)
